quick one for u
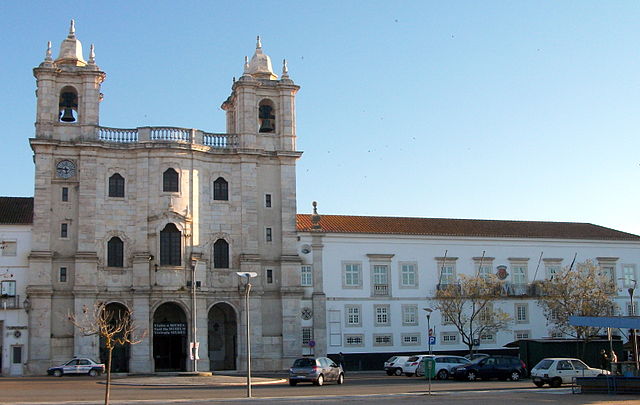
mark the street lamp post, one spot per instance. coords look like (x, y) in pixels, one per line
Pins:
(428, 311)
(247, 288)
(194, 330)
(633, 313)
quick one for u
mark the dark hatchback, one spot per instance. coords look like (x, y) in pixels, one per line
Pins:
(501, 367)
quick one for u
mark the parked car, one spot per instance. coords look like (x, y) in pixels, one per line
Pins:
(78, 366)
(394, 365)
(562, 370)
(502, 367)
(317, 370)
(474, 356)
(411, 365)
(445, 365)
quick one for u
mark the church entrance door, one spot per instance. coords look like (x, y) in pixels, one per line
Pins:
(120, 353)
(223, 337)
(169, 338)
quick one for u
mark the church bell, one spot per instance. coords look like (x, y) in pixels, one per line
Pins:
(68, 103)
(267, 125)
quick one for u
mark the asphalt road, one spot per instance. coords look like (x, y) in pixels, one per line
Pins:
(374, 388)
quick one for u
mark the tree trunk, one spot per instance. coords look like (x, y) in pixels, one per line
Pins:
(107, 389)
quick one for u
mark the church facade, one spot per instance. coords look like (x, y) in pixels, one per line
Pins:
(159, 220)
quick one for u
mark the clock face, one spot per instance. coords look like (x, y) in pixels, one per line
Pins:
(65, 169)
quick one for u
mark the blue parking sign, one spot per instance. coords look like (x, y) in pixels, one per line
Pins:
(432, 340)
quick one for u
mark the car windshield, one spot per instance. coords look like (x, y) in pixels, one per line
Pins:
(392, 359)
(304, 363)
(544, 365)
(413, 358)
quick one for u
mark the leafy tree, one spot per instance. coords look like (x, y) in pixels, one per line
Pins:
(468, 305)
(583, 291)
(116, 327)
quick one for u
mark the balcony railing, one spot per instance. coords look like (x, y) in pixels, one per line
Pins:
(167, 134)
(9, 301)
(380, 289)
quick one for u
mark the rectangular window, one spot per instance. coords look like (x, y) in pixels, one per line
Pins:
(487, 337)
(519, 274)
(408, 275)
(410, 339)
(16, 354)
(354, 340)
(267, 200)
(64, 230)
(268, 235)
(381, 315)
(409, 315)
(8, 288)
(307, 336)
(521, 311)
(449, 338)
(446, 319)
(352, 315)
(557, 334)
(383, 340)
(65, 193)
(521, 334)
(632, 310)
(8, 248)
(446, 271)
(629, 274)
(551, 270)
(485, 271)
(352, 275)
(63, 275)
(380, 279)
(485, 314)
(269, 276)
(306, 276)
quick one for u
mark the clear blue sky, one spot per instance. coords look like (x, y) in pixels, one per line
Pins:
(462, 109)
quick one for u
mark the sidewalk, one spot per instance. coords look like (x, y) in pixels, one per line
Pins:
(189, 379)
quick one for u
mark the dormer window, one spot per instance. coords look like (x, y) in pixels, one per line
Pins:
(68, 104)
(266, 116)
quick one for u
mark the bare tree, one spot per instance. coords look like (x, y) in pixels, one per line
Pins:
(116, 327)
(468, 305)
(583, 291)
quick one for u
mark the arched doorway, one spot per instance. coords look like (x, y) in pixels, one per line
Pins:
(120, 354)
(169, 338)
(223, 337)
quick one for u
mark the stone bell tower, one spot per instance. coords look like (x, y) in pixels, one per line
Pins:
(68, 92)
(63, 258)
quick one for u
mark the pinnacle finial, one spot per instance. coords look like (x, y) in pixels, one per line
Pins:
(246, 64)
(315, 218)
(258, 43)
(315, 207)
(285, 68)
(92, 55)
(48, 57)
(72, 28)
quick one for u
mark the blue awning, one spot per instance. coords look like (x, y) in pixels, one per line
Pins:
(620, 322)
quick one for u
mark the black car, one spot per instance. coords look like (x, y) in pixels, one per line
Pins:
(502, 367)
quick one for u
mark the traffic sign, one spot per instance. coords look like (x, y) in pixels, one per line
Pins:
(431, 332)
(432, 340)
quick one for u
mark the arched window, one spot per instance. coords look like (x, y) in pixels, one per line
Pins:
(115, 252)
(170, 180)
(170, 246)
(266, 116)
(220, 189)
(68, 105)
(116, 186)
(221, 254)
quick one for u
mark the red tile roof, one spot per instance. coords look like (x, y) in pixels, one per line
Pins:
(16, 210)
(461, 227)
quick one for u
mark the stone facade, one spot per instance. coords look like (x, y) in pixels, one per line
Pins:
(77, 216)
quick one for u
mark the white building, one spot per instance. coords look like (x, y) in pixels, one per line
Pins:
(15, 245)
(376, 274)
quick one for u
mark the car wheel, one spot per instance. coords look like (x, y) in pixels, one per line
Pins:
(419, 373)
(57, 373)
(538, 384)
(398, 371)
(515, 376)
(389, 372)
(93, 372)
(293, 383)
(555, 383)
(471, 376)
(442, 374)
(409, 374)
(340, 379)
(319, 380)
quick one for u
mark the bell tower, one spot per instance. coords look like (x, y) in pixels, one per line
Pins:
(261, 107)
(68, 92)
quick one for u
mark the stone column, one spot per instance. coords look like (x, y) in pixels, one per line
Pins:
(141, 359)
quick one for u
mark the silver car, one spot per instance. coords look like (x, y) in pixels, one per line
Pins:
(317, 370)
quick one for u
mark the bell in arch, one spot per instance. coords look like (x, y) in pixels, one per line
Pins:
(68, 101)
(267, 119)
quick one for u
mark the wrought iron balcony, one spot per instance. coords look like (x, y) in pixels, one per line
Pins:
(9, 301)
(381, 289)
